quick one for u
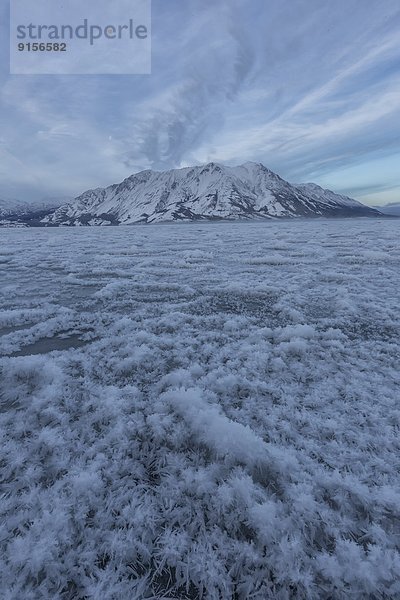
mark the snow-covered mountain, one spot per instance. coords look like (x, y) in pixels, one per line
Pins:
(209, 192)
(11, 206)
(20, 213)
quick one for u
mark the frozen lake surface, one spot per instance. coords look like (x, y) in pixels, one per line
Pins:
(201, 410)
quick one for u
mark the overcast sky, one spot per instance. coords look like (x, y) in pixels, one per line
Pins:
(310, 88)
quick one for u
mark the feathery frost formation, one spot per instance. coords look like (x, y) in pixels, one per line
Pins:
(213, 414)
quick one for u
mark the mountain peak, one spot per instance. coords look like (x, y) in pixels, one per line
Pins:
(212, 166)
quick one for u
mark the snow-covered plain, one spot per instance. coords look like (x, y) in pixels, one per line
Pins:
(201, 411)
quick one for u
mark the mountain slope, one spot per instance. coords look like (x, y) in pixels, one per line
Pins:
(250, 191)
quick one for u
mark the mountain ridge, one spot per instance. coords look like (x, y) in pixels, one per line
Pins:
(206, 192)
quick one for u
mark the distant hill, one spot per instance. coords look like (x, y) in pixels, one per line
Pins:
(390, 209)
(20, 213)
